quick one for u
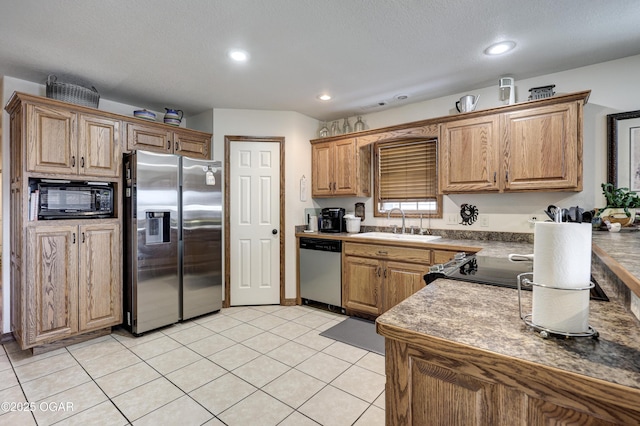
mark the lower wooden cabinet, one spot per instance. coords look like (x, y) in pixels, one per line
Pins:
(73, 281)
(437, 383)
(377, 277)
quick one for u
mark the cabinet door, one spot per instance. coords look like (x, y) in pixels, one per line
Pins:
(469, 155)
(99, 284)
(439, 396)
(149, 138)
(52, 140)
(442, 256)
(345, 167)
(401, 281)
(99, 146)
(52, 283)
(361, 280)
(192, 145)
(322, 180)
(542, 148)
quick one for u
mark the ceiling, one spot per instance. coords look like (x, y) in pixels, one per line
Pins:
(169, 53)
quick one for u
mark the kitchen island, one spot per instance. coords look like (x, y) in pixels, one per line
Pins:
(458, 353)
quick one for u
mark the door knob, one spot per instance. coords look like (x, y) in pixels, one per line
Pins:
(274, 231)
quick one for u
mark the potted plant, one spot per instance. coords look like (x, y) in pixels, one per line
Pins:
(621, 205)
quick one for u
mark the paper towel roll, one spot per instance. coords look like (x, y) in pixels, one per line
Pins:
(562, 258)
(561, 310)
(562, 254)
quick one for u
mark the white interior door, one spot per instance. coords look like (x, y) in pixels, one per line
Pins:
(254, 223)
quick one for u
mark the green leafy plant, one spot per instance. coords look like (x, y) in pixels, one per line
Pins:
(620, 198)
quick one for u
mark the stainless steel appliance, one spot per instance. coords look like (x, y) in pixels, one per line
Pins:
(332, 219)
(64, 199)
(173, 244)
(494, 271)
(321, 271)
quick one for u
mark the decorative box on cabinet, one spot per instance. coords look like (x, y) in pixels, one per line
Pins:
(340, 168)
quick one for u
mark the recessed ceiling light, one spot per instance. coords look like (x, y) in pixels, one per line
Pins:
(238, 55)
(324, 97)
(401, 97)
(500, 48)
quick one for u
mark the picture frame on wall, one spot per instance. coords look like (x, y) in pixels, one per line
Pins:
(623, 150)
(634, 158)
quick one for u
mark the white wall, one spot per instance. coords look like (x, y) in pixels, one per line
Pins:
(614, 88)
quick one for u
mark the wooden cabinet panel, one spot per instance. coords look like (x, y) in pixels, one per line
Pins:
(542, 413)
(530, 149)
(402, 280)
(469, 152)
(340, 168)
(385, 252)
(541, 148)
(442, 256)
(99, 284)
(192, 145)
(361, 279)
(149, 138)
(100, 146)
(52, 279)
(160, 138)
(443, 397)
(322, 169)
(377, 277)
(344, 170)
(52, 142)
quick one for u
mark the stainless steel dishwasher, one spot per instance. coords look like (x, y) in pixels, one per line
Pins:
(321, 271)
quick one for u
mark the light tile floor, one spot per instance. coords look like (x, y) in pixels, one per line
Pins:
(261, 365)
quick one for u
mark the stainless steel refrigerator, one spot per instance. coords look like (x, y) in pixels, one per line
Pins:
(173, 239)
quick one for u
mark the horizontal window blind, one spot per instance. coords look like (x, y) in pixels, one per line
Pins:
(407, 171)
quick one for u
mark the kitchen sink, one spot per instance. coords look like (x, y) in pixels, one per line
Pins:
(396, 237)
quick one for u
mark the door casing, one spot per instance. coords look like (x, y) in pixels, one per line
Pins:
(227, 218)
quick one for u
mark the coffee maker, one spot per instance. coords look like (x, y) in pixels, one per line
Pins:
(332, 219)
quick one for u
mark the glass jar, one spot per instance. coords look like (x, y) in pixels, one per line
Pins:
(346, 127)
(359, 125)
(335, 129)
(324, 130)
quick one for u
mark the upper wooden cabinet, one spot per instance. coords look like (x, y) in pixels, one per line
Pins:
(63, 141)
(537, 147)
(340, 168)
(162, 138)
(470, 155)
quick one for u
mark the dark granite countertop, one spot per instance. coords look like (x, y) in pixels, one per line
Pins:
(488, 318)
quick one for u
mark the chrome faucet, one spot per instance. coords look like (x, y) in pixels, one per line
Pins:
(402, 212)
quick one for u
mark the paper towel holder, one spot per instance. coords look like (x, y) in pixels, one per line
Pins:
(526, 279)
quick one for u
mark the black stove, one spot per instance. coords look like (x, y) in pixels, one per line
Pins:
(494, 271)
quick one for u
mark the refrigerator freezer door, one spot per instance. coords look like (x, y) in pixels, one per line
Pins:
(155, 284)
(201, 237)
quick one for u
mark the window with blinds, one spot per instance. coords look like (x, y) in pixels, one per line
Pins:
(406, 177)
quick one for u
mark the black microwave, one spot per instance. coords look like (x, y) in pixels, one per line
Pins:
(73, 200)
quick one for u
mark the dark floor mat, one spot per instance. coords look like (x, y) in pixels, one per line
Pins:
(357, 332)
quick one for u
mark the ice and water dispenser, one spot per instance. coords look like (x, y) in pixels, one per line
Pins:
(157, 229)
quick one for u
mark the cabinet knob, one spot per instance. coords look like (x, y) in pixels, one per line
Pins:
(82, 162)
(74, 238)
(73, 161)
(176, 146)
